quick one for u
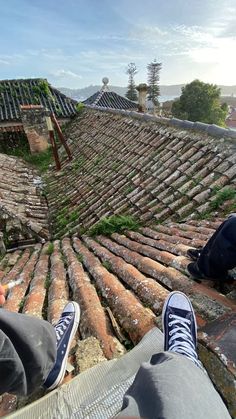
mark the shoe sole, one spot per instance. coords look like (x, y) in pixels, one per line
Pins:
(166, 304)
(61, 374)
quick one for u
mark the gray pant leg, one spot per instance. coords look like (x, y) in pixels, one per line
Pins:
(170, 386)
(27, 352)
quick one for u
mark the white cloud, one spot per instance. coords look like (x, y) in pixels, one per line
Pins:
(66, 73)
(5, 62)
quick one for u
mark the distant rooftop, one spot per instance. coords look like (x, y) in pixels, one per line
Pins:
(106, 99)
(14, 93)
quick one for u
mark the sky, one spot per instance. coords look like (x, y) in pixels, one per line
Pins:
(75, 43)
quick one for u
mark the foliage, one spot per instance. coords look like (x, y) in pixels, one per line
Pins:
(78, 163)
(40, 160)
(80, 257)
(114, 224)
(42, 89)
(65, 218)
(107, 265)
(222, 196)
(200, 102)
(47, 281)
(50, 249)
(21, 304)
(73, 216)
(153, 79)
(80, 107)
(131, 93)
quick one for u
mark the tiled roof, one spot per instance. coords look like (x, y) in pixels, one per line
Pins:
(121, 283)
(141, 165)
(23, 208)
(108, 99)
(14, 93)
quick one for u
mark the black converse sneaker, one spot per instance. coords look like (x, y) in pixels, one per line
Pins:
(180, 327)
(194, 254)
(65, 331)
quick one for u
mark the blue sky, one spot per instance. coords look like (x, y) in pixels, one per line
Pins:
(74, 43)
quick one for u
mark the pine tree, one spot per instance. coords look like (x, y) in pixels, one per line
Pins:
(153, 79)
(131, 93)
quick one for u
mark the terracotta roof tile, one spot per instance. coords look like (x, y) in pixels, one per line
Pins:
(34, 302)
(23, 208)
(130, 313)
(151, 170)
(122, 164)
(130, 274)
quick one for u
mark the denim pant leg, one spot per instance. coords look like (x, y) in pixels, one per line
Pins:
(170, 386)
(27, 352)
(219, 254)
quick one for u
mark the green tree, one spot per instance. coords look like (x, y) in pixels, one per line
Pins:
(131, 93)
(200, 102)
(153, 79)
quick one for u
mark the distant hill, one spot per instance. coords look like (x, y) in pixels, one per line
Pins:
(85, 92)
(168, 91)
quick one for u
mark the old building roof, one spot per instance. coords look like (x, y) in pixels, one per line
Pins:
(121, 283)
(14, 93)
(167, 174)
(107, 99)
(143, 166)
(23, 208)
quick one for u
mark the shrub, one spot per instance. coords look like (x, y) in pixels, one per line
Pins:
(114, 224)
(222, 196)
(79, 107)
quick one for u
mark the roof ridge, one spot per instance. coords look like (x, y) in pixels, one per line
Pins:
(22, 79)
(211, 129)
(99, 96)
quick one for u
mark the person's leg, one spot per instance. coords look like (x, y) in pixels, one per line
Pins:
(33, 352)
(173, 384)
(27, 352)
(219, 254)
(170, 386)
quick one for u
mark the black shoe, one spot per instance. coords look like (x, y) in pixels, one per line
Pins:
(180, 326)
(194, 253)
(65, 331)
(194, 271)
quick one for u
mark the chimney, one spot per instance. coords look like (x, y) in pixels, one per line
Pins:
(142, 90)
(35, 126)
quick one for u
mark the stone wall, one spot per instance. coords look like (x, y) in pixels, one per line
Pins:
(34, 123)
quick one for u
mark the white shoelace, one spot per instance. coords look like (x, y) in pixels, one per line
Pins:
(185, 346)
(62, 326)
